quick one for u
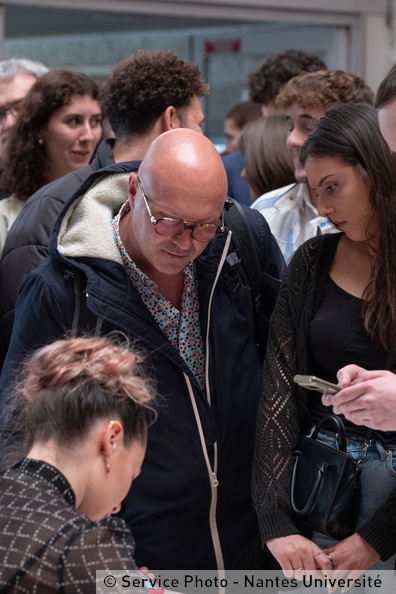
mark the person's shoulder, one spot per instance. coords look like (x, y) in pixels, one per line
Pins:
(269, 199)
(106, 529)
(61, 188)
(50, 282)
(327, 240)
(267, 248)
(10, 204)
(109, 540)
(255, 219)
(233, 159)
(308, 253)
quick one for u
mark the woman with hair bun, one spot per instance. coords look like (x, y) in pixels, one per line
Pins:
(79, 409)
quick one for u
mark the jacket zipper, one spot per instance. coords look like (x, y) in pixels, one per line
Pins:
(212, 472)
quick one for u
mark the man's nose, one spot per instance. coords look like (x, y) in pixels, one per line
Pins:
(184, 239)
(296, 138)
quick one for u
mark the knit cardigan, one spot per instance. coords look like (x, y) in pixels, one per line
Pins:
(283, 413)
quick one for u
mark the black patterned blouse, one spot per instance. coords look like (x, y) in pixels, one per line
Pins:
(45, 544)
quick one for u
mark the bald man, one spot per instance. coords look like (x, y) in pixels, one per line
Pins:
(145, 254)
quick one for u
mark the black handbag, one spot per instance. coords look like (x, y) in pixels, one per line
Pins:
(325, 486)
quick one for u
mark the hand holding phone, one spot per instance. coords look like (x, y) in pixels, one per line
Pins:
(151, 586)
(315, 383)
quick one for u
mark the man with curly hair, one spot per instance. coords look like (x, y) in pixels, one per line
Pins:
(291, 211)
(264, 85)
(145, 95)
(268, 80)
(150, 93)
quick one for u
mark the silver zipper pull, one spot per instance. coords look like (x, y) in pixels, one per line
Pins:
(215, 482)
(363, 454)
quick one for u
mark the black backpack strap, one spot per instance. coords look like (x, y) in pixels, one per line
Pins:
(242, 271)
(244, 251)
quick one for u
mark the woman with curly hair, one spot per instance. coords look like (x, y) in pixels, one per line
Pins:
(79, 410)
(57, 131)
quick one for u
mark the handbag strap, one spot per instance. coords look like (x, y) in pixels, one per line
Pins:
(321, 472)
(340, 430)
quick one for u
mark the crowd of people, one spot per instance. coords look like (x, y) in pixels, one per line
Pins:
(154, 312)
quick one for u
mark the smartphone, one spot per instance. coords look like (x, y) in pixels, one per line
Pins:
(315, 383)
(152, 588)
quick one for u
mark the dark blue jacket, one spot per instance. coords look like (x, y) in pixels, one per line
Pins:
(238, 187)
(26, 245)
(176, 509)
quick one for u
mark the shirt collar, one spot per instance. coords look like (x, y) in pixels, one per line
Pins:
(48, 473)
(303, 200)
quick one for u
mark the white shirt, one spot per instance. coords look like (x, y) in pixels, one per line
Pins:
(291, 217)
(10, 208)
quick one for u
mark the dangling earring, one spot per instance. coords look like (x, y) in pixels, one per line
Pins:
(107, 465)
(40, 141)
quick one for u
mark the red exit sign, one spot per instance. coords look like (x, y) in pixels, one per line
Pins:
(223, 46)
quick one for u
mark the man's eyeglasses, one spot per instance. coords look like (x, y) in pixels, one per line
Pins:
(12, 109)
(170, 227)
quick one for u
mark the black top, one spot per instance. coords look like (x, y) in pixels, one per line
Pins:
(46, 546)
(285, 410)
(337, 338)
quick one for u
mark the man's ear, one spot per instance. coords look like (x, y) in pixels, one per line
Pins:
(171, 119)
(133, 186)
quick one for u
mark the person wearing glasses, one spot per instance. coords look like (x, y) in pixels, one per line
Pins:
(143, 253)
(17, 76)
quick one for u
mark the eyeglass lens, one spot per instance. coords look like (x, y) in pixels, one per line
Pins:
(4, 111)
(200, 232)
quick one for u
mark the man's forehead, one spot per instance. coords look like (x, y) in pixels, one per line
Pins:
(181, 202)
(188, 210)
(14, 89)
(308, 112)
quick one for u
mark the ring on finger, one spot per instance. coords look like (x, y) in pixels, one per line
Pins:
(326, 552)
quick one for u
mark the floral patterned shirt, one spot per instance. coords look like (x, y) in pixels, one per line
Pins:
(181, 328)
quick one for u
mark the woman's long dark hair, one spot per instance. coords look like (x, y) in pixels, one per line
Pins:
(350, 132)
(25, 166)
